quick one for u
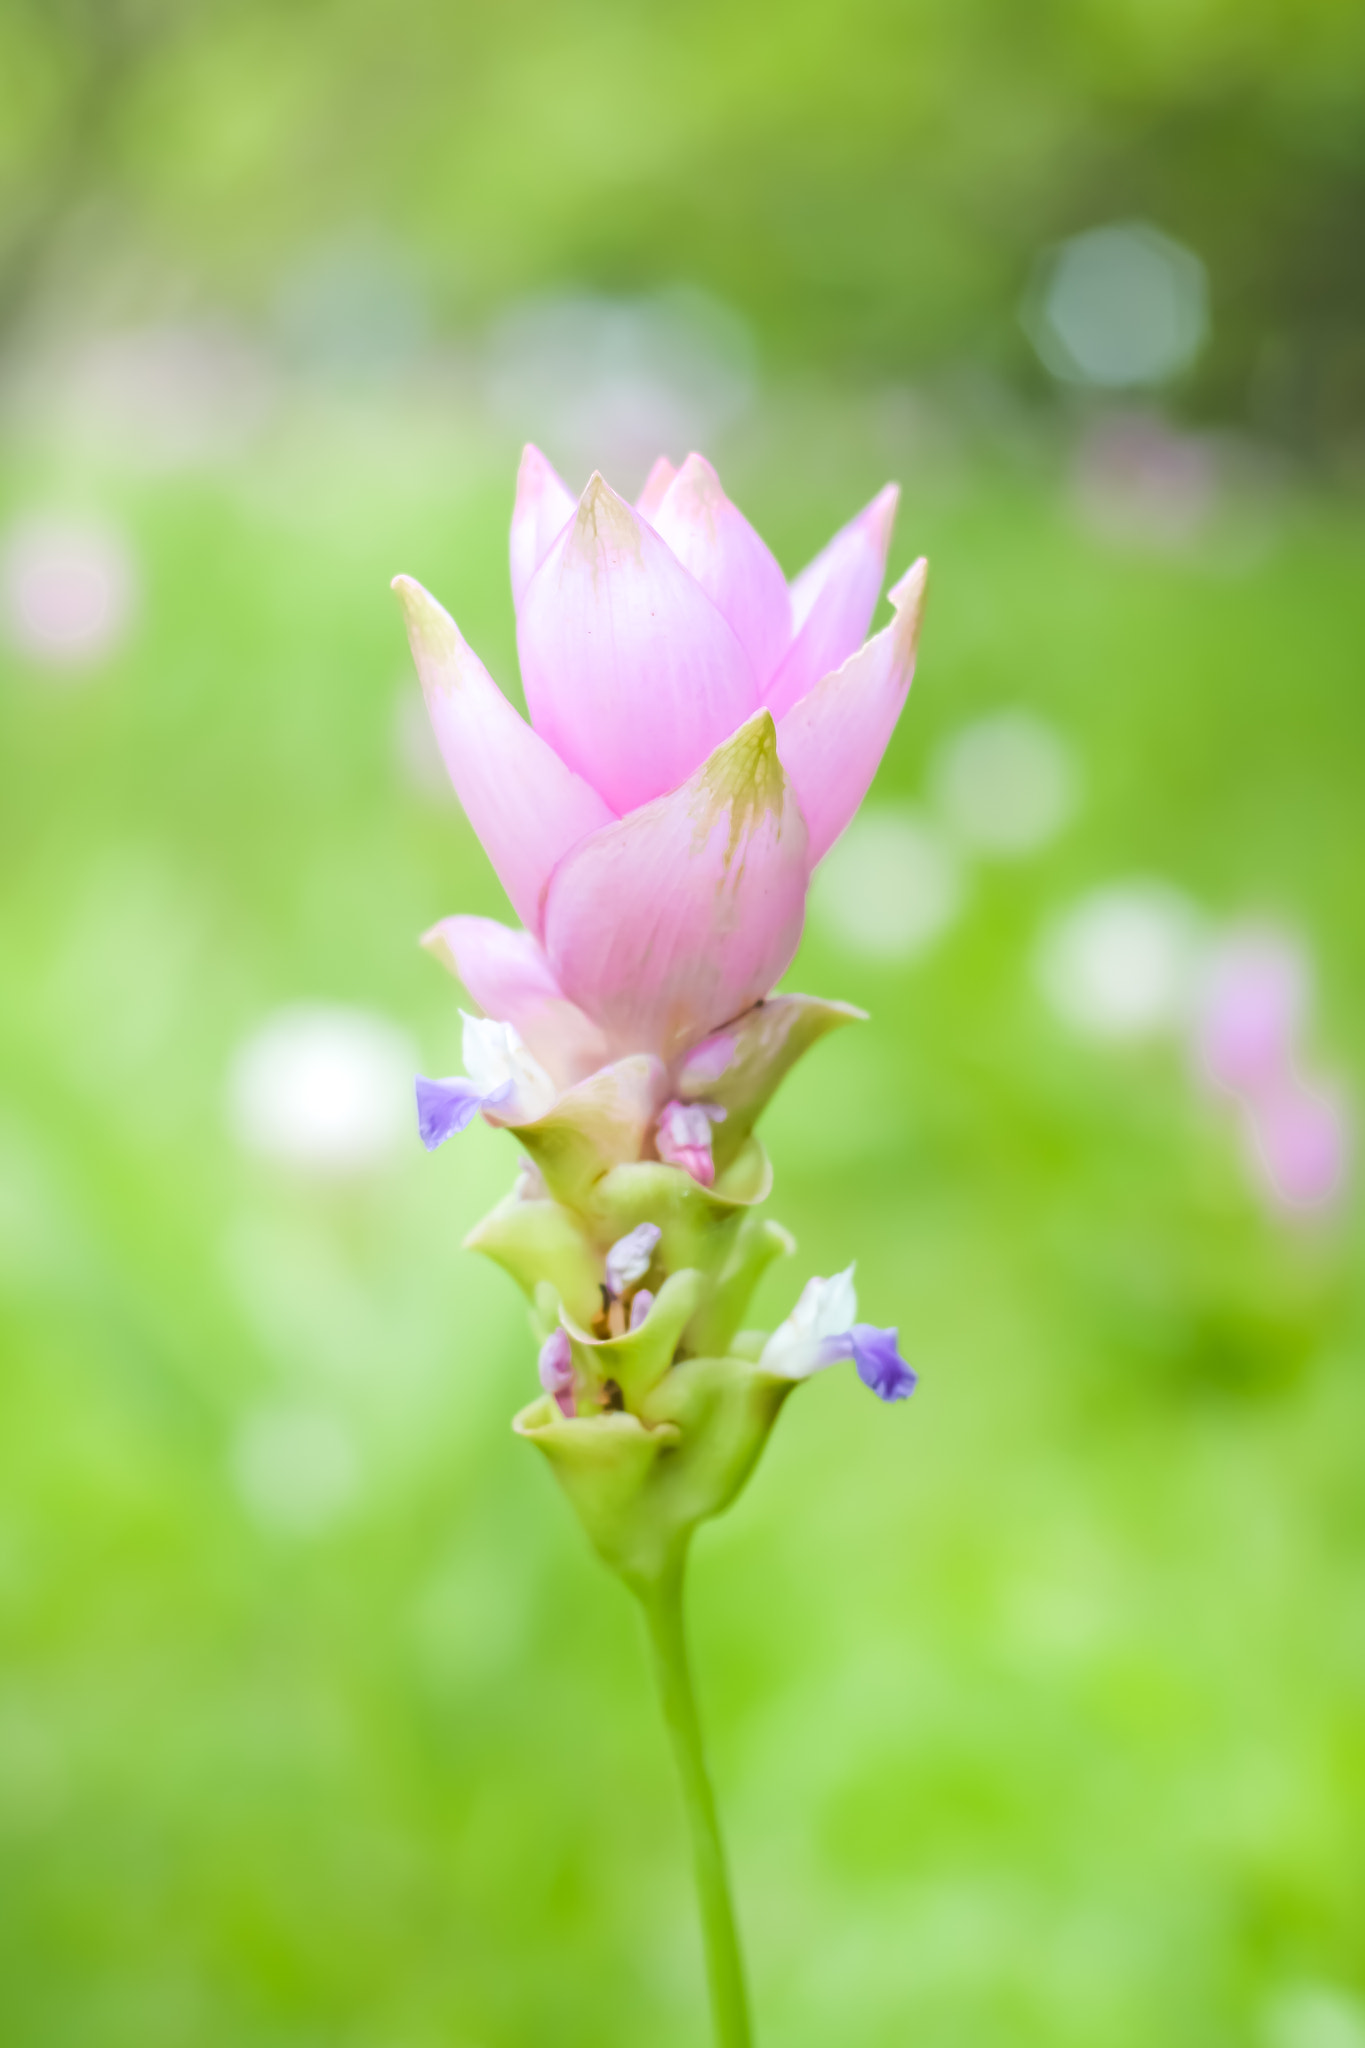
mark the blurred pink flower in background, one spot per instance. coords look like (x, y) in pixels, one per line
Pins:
(1138, 479)
(1254, 1001)
(700, 734)
(1248, 1033)
(68, 590)
(1300, 1138)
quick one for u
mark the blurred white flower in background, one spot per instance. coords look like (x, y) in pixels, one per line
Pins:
(1123, 963)
(1119, 307)
(890, 887)
(325, 1088)
(297, 1469)
(68, 590)
(1314, 2016)
(611, 383)
(1006, 784)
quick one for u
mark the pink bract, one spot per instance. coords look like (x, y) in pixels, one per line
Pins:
(700, 734)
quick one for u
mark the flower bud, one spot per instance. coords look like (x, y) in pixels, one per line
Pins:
(683, 1137)
(556, 1370)
(628, 1260)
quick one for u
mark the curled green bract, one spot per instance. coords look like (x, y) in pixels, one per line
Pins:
(664, 1407)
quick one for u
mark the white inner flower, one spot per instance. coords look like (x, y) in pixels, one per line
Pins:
(826, 1310)
(495, 1058)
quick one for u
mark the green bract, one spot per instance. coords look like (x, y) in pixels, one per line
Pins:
(669, 1417)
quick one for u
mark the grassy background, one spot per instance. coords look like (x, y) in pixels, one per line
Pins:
(1036, 1704)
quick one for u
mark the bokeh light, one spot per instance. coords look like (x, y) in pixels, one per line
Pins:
(323, 1087)
(1123, 962)
(1119, 307)
(69, 590)
(1007, 784)
(890, 888)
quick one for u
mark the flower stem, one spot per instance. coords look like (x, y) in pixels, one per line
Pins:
(662, 1602)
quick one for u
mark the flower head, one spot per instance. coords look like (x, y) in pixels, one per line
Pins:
(700, 734)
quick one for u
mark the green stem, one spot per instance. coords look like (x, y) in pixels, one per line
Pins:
(662, 1602)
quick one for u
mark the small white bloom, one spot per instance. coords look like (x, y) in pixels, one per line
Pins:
(496, 1060)
(810, 1337)
(628, 1260)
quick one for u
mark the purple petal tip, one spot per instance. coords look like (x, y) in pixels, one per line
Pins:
(443, 1108)
(881, 1368)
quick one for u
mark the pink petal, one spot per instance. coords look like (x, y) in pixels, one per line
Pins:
(544, 507)
(832, 741)
(833, 600)
(678, 917)
(656, 483)
(631, 674)
(526, 806)
(508, 976)
(738, 572)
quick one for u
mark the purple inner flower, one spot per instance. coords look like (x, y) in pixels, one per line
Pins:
(628, 1260)
(445, 1107)
(556, 1370)
(876, 1355)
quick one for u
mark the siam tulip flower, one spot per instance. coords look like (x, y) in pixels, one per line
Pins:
(700, 734)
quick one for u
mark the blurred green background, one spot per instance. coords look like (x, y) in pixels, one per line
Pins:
(1038, 1705)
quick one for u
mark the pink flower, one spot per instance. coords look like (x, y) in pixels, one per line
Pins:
(682, 1137)
(700, 734)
